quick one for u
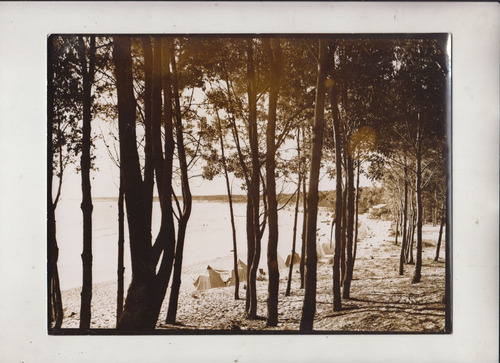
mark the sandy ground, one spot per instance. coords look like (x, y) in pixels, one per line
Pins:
(381, 299)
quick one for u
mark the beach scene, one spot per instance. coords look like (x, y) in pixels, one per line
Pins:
(248, 184)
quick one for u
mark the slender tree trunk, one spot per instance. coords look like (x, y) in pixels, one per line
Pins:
(255, 182)
(343, 239)
(418, 265)
(337, 302)
(86, 206)
(438, 247)
(273, 50)
(411, 231)
(55, 306)
(405, 217)
(350, 226)
(398, 216)
(55, 300)
(250, 232)
(136, 315)
(148, 148)
(295, 217)
(357, 215)
(186, 201)
(156, 115)
(250, 247)
(165, 240)
(303, 236)
(121, 249)
(231, 212)
(309, 307)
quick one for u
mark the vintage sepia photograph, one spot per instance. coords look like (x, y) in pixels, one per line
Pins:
(249, 184)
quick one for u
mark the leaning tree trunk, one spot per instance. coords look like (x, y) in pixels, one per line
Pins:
(295, 217)
(186, 201)
(350, 226)
(309, 307)
(438, 247)
(231, 211)
(343, 239)
(86, 206)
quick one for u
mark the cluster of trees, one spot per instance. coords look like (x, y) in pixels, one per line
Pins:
(273, 112)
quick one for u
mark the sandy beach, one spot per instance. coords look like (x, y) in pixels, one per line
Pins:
(381, 300)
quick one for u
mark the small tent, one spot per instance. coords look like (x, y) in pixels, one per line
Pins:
(281, 262)
(319, 250)
(363, 231)
(327, 249)
(204, 282)
(296, 259)
(242, 273)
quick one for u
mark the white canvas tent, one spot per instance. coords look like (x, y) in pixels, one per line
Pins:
(296, 259)
(281, 262)
(327, 249)
(242, 273)
(319, 250)
(204, 282)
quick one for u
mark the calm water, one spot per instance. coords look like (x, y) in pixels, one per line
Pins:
(208, 237)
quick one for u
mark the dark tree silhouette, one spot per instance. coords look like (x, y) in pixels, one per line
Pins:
(86, 206)
(309, 307)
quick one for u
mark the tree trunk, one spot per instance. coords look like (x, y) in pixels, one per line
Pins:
(186, 201)
(350, 226)
(86, 206)
(231, 212)
(273, 50)
(250, 247)
(55, 300)
(438, 247)
(337, 302)
(121, 249)
(398, 217)
(418, 265)
(295, 217)
(356, 222)
(343, 239)
(309, 307)
(303, 235)
(405, 217)
(411, 232)
(55, 307)
(136, 315)
(156, 114)
(165, 240)
(255, 182)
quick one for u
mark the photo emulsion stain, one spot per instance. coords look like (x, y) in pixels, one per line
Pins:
(263, 184)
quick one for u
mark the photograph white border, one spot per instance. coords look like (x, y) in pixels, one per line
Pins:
(475, 29)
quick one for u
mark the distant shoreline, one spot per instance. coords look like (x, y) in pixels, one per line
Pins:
(199, 198)
(325, 198)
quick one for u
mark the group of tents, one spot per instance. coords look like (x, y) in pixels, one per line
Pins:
(222, 278)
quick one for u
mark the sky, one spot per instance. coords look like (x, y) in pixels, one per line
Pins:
(105, 180)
